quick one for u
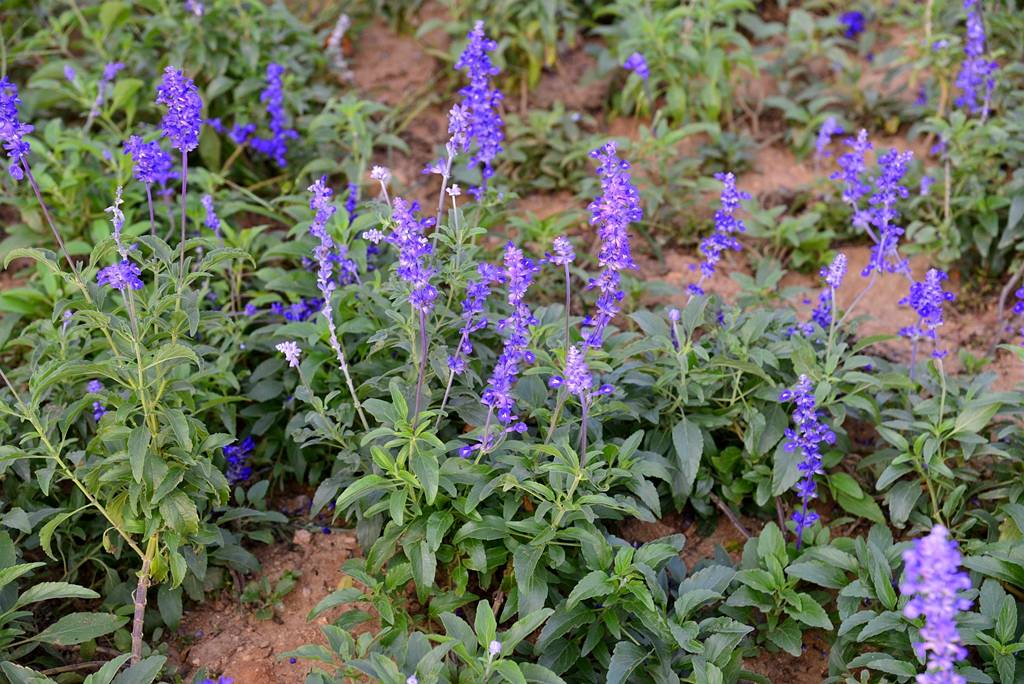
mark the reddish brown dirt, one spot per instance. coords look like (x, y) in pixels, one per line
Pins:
(389, 67)
(573, 82)
(810, 667)
(226, 638)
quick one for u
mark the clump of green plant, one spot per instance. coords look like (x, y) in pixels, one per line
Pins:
(699, 44)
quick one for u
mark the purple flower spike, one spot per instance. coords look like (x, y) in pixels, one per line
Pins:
(240, 133)
(823, 313)
(477, 292)
(808, 437)
(726, 227)
(184, 109)
(212, 220)
(12, 131)
(482, 100)
(291, 352)
(150, 163)
(854, 23)
(851, 169)
(835, 272)
(612, 211)
(276, 146)
(564, 252)
(927, 299)
(519, 272)
(236, 456)
(828, 129)
(98, 411)
(933, 579)
(636, 62)
(975, 76)
(122, 275)
(413, 249)
(926, 185)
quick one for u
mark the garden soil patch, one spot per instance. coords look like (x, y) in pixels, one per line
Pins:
(224, 637)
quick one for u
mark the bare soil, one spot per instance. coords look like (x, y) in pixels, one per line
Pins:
(226, 638)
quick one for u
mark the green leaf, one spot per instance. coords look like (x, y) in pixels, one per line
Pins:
(144, 672)
(851, 497)
(788, 637)
(510, 672)
(180, 513)
(424, 564)
(78, 628)
(124, 89)
(538, 674)
(47, 530)
(485, 625)
(138, 446)
(523, 628)
(179, 426)
(111, 13)
(974, 416)
(811, 613)
(689, 447)
(593, 584)
(168, 600)
(106, 674)
(45, 591)
(8, 575)
(360, 488)
(626, 657)
(334, 599)
(427, 471)
(18, 674)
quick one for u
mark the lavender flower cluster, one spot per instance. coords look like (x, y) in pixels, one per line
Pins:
(237, 457)
(927, 299)
(276, 145)
(481, 101)
(823, 314)
(975, 78)
(577, 378)
(612, 211)
(150, 164)
(519, 272)
(12, 131)
(409, 237)
(638, 64)
(934, 581)
(184, 116)
(474, 320)
(724, 235)
(807, 437)
(878, 218)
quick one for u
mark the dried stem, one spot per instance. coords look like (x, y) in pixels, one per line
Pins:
(730, 516)
(1004, 294)
(46, 213)
(140, 609)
